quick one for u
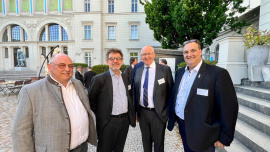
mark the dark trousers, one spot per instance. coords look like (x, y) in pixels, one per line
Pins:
(113, 136)
(182, 131)
(82, 148)
(152, 129)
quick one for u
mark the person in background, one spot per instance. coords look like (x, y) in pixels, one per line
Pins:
(54, 113)
(110, 98)
(129, 69)
(163, 61)
(78, 74)
(88, 77)
(203, 102)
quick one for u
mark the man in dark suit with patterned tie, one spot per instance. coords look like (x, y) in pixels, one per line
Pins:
(152, 86)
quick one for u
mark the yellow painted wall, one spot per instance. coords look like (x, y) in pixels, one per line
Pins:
(53, 5)
(12, 6)
(26, 6)
(68, 4)
(39, 5)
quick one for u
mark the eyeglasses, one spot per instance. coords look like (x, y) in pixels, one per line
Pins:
(63, 66)
(189, 41)
(115, 58)
(144, 54)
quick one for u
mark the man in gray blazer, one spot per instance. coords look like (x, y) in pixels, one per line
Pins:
(152, 85)
(54, 113)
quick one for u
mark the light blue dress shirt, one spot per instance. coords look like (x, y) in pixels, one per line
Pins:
(120, 100)
(184, 89)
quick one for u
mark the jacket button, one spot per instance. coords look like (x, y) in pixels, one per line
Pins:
(62, 102)
(68, 133)
(67, 117)
(67, 148)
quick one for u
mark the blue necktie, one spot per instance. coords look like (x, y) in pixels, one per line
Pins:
(145, 88)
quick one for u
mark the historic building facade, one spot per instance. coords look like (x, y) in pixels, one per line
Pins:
(83, 29)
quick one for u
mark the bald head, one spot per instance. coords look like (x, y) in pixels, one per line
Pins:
(148, 55)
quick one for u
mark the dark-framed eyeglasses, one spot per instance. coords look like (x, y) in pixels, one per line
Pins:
(115, 58)
(63, 66)
(193, 40)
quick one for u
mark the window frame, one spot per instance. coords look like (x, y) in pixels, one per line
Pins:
(110, 6)
(87, 6)
(85, 36)
(134, 6)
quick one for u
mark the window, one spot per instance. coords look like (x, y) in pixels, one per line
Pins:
(25, 36)
(217, 53)
(87, 5)
(88, 58)
(5, 36)
(111, 6)
(43, 51)
(87, 32)
(207, 54)
(26, 52)
(134, 31)
(54, 32)
(134, 5)
(42, 35)
(111, 33)
(134, 55)
(64, 35)
(6, 52)
(15, 32)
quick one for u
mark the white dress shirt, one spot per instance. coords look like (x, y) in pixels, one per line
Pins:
(77, 113)
(184, 89)
(151, 82)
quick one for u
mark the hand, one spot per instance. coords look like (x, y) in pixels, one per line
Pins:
(219, 145)
(137, 120)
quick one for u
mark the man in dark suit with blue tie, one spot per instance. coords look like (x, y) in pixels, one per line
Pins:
(152, 86)
(203, 102)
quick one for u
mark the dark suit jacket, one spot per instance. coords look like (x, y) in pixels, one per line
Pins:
(87, 78)
(161, 92)
(138, 65)
(101, 99)
(207, 118)
(129, 72)
(78, 76)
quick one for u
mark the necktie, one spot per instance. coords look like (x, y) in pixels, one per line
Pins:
(145, 88)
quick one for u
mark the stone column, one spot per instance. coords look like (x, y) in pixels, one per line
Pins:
(231, 57)
(47, 32)
(21, 34)
(9, 33)
(60, 33)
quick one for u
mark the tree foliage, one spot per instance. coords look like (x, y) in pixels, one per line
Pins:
(176, 21)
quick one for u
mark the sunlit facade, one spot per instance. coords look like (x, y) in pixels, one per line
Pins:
(83, 29)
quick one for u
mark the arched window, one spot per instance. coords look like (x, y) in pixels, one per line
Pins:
(25, 36)
(64, 35)
(54, 32)
(42, 35)
(207, 54)
(217, 53)
(15, 33)
(5, 36)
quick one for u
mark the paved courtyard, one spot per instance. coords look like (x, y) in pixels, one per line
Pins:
(8, 106)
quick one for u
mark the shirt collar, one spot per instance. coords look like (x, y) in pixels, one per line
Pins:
(61, 83)
(197, 68)
(152, 65)
(112, 73)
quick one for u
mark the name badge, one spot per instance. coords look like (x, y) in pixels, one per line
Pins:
(129, 87)
(202, 92)
(160, 81)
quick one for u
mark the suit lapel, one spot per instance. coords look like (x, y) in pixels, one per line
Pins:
(140, 71)
(158, 75)
(109, 86)
(178, 81)
(202, 72)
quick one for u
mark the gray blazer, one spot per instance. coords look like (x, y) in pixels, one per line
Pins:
(42, 122)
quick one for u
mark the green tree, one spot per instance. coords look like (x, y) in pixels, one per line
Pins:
(176, 21)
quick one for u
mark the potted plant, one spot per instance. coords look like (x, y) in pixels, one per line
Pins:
(258, 51)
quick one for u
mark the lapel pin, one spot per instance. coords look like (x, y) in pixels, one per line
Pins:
(199, 76)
